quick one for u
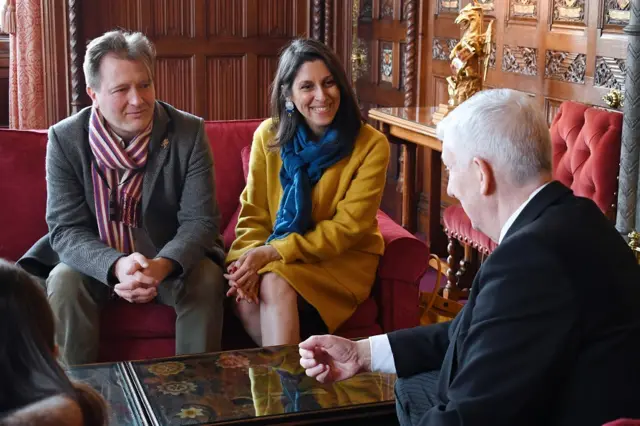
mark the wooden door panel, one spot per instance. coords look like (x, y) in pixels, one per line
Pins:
(216, 58)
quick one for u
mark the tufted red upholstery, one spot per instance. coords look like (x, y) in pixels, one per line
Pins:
(586, 144)
(586, 152)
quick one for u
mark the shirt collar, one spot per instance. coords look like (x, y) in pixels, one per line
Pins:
(514, 215)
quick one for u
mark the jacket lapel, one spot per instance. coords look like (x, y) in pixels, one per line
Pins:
(158, 150)
(547, 196)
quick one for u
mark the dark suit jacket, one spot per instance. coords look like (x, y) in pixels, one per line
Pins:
(179, 209)
(551, 331)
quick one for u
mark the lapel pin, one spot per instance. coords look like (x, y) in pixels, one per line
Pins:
(165, 143)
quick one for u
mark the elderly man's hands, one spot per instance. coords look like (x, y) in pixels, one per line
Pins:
(331, 358)
(139, 277)
(243, 273)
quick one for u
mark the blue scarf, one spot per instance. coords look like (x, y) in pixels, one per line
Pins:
(303, 163)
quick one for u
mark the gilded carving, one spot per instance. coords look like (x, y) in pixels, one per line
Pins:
(568, 11)
(442, 47)
(520, 60)
(523, 9)
(565, 66)
(610, 73)
(617, 12)
(468, 57)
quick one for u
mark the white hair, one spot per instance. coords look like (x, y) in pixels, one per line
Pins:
(504, 127)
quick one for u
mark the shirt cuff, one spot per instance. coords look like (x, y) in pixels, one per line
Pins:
(381, 354)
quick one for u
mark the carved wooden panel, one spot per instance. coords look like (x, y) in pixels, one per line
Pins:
(487, 6)
(442, 48)
(403, 64)
(366, 10)
(565, 66)
(173, 18)
(448, 6)
(569, 11)
(520, 60)
(492, 56)
(386, 63)
(523, 9)
(617, 12)
(174, 84)
(610, 72)
(225, 18)
(386, 9)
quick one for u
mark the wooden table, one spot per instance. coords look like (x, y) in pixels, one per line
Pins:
(413, 127)
(264, 386)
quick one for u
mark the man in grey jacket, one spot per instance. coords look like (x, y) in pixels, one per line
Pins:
(131, 207)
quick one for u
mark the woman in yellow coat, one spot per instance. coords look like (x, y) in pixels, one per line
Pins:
(307, 241)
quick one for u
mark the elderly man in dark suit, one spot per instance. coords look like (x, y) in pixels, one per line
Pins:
(550, 334)
(131, 207)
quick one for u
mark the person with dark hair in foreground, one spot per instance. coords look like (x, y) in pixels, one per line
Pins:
(34, 389)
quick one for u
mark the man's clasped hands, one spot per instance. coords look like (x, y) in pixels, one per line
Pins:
(138, 277)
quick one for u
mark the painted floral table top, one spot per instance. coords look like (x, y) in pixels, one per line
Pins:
(247, 385)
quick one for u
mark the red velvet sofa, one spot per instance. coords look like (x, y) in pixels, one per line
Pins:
(147, 331)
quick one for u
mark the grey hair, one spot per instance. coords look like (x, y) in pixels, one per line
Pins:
(504, 127)
(133, 46)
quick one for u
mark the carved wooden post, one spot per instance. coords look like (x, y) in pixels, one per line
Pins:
(328, 22)
(409, 78)
(408, 159)
(316, 18)
(628, 215)
(75, 66)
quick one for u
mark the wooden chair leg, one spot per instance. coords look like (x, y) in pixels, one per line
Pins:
(453, 249)
(468, 267)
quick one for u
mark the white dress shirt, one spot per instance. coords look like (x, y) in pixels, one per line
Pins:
(381, 354)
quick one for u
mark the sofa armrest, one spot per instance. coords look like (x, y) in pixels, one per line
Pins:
(404, 262)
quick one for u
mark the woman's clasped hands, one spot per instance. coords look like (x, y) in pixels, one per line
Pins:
(243, 274)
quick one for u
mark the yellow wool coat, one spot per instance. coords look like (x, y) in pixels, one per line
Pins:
(333, 265)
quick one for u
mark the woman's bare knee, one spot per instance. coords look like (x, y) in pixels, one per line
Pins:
(276, 290)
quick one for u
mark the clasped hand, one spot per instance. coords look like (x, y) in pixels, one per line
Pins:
(243, 273)
(139, 277)
(331, 358)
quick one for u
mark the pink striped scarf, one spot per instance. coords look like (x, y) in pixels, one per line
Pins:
(117, 174)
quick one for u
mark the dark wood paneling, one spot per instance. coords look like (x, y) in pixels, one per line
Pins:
(55, 47)
(174, 83)
(225, 87)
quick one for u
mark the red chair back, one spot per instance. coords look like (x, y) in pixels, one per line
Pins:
(586, 145)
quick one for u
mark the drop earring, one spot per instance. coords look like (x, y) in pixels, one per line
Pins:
(289, 107)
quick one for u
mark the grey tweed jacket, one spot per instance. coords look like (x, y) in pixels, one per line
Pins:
(179, 208)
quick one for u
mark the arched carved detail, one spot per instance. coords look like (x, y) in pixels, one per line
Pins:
(410, 77)
(75, 66)
(328, 22)
(316, 18)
